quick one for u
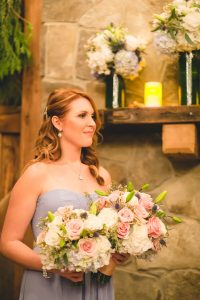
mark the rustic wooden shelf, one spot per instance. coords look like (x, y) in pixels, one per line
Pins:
(151, 115)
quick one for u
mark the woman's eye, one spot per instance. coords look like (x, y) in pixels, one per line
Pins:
(93, 116)
(82, 115)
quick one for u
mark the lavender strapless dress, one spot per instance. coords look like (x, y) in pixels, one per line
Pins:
(34, 286)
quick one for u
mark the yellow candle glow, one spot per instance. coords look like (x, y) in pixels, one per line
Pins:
(153, 93)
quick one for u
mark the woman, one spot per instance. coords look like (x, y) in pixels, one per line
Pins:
(64, 169)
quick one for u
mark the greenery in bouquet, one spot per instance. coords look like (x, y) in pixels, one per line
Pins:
(113, 50)
(135, 222)
(177, 28)
(73, 239)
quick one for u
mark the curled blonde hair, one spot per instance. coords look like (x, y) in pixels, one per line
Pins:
(47, 146)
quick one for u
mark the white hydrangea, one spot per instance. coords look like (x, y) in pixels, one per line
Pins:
(108, 216)
(138, 241)
(126, 63)
(93, 223)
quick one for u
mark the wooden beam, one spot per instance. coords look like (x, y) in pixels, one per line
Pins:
(153, 115)
(31, 91)
(10, 121)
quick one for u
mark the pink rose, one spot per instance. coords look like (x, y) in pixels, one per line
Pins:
(123, 230)
(74, 228)
(154, 227)
(140, 213)
(114, 196)
(87, 246)
(146, 201)
(125, 215)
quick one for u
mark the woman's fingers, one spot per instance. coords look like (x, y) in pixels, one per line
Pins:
(120, 258)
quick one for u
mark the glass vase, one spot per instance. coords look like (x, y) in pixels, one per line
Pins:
(115, 91)
(189, 78)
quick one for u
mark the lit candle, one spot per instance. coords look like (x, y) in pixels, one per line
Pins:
(153, 94)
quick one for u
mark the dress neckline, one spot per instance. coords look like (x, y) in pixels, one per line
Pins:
(66, 190)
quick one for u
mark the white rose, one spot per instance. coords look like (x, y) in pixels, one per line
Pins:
(138, 241)
(52, 238)
(93, 223)
(191, 21)
(131, 43)
(133, 202)
(108, 216)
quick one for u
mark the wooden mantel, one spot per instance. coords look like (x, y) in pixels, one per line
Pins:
(151, 115)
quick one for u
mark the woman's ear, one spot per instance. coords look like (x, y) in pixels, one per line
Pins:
(56, 123)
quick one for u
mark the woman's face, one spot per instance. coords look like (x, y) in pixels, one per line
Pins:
(78, 125)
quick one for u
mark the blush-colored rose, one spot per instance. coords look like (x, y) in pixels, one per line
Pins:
(154, 227)
(74, 228)
(140, 213)
(114, 196)
(146, 201)
(87, 247)
(125, 215)
(123, 230)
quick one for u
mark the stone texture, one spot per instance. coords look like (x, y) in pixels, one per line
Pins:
(102, 14)
(181, 284)
(49, 85)
(96, 89)
(148, 162)
(184, 194)
(135, 286)
(82, 69)
(182, 249)
(65, 11)
(60, 50)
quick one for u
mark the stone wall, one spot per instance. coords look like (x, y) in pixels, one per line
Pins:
(68, 24)
(132, 152)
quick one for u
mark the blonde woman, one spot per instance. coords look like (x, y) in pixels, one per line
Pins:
(64, 168)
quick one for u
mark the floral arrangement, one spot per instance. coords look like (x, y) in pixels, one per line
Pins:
(134, 222)
(114, 51)
(124, 220)
(177, 28)
(73, 239)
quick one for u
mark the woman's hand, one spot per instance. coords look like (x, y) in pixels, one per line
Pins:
(71, 275)
(120, 258)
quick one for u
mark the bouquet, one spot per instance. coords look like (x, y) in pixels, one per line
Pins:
(134, 222)
(177, 29)
(114, 51)
(73, 239)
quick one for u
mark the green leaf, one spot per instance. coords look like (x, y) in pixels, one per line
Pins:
(176, 219)
(50, 216)
(160, 197)
(173, 14)
(93, 209)
(145, 187)
(84, 233)
(130, 196)
(160, 214)
(62, 243)
(130, 186)
(101, 193)
(188, 39)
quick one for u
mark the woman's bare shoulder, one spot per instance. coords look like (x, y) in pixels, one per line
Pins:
(32, 177)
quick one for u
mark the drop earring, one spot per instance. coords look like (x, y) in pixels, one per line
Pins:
(59, 134)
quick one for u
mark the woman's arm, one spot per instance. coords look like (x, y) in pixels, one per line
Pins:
(19, 214)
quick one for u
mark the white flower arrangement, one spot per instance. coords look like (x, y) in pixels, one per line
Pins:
(73, 239)
(134, 222)
(113, 50)
(177, 28)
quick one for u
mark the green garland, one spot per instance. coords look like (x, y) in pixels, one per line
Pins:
(14, 48)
